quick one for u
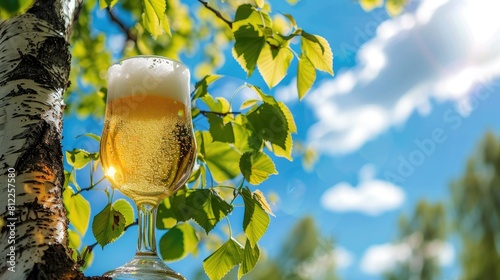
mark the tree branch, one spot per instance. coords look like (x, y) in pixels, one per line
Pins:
(219, 114)
(89, 248)
(217, 13)
(90, 187)
(122, 26)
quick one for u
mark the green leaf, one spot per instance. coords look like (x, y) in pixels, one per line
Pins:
(317, 49)
(292, 128)
(168, 223)
(243, 12)
(124, 207)
(220, 132)
(284, 152)
(77, 158)
(248, 30)
(70, 179)
(247, 47)
(259, 196)
(169, 210)
(264, 97)
(195, 112)
(273, 63)
(278, 150)
(395, 7)
(94, 156)
(97, 138)
(107, 3)
(201, 87)
(220, 262)
(78, 210)
(221, 159)
(75, 241)
(245, 138)
(108, 225)
(89, 259)
(203, 175)
(248, 103)
(369, 5)
(218, 104)
(206, 207)
(154, 18)
(246, 14)
(270, 123)
(306, 75)
(67, 179)
(10, 8)
(255, 220)
(250, 258)
(260, 3)
(178, 242)
(291, 19)
(256, 167)
(194, 175)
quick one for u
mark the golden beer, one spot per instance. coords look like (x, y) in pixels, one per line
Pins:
(147, 148)
(147, 151)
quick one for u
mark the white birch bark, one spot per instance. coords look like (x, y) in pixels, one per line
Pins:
(34, 71)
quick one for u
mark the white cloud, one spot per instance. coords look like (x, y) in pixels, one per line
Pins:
(443, 251)
(380, 258)
(342, 258)
(371, 196)
(339, 258)
(438, 53)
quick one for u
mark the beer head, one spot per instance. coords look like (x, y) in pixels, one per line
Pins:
(144, 75)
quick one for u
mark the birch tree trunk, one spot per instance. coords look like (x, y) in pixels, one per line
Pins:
(34, 72)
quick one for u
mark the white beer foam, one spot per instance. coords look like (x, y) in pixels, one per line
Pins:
(149, 75)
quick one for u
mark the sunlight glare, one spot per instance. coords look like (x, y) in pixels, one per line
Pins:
(110, 173)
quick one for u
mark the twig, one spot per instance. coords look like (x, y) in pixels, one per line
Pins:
(219, 114)
(122, 26)
(90, 187)
(89, 248)
(217, 13)
(132, 224)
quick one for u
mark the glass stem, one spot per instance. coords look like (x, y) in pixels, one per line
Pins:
(146, 244)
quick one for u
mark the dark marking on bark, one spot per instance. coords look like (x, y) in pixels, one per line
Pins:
(30, 68)
(45, 9)
(33, 133)
(4, 31)
(57, 266)
(29, 117)
(43, 151)
(20, 91)
(54, 52)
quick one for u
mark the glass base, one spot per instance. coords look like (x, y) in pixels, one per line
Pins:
(144, 267)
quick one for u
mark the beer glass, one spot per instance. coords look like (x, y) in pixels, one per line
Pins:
(147, 147)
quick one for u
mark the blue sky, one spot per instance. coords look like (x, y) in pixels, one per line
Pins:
(411, 98)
